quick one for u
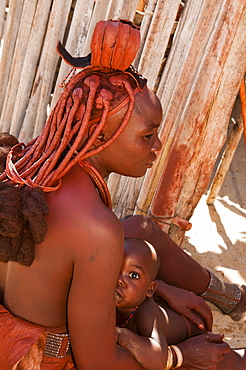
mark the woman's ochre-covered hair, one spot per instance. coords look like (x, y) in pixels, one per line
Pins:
(106, 83)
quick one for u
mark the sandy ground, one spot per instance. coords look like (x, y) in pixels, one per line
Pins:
(217, 239)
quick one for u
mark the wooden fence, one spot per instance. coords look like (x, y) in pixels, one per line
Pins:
(195, 62)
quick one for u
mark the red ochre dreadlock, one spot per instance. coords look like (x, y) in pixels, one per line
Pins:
(103, 87)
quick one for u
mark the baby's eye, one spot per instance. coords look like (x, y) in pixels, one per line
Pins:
(134, 275)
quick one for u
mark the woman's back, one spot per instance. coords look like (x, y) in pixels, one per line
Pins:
(39, 293)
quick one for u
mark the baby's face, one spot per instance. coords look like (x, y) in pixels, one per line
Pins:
(133, 282)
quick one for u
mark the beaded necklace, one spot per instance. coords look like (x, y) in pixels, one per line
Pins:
(99, 181)
(129, 318)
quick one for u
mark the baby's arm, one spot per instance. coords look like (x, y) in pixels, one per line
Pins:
(148, 346)
(147, 352)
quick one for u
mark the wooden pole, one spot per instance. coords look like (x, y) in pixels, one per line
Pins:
(228, 154)
(231, 146)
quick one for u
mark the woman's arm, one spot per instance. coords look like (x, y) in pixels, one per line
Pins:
(97, 245)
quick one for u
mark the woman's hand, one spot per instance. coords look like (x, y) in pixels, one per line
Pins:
(187, 304)
(203, 352)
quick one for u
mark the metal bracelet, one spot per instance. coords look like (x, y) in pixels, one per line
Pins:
(57, 345)
(223, 295)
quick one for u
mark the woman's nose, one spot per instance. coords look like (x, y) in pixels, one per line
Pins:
(157, 145)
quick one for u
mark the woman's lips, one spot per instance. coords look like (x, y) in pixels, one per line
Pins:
(152, 159)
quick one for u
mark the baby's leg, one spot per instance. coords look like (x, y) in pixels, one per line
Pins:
(234, 360)
(177, 327)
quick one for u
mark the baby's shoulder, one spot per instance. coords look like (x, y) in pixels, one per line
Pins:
(147, 308)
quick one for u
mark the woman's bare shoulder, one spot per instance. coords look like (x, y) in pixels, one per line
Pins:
(79, 217)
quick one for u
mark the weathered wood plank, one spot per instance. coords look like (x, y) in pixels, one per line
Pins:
(29, 67)
(45, 74)
(121, 9)
(157, 39)
(145, 25)
(10, 34)
(20, 51)
(98, 14)
(3, 5)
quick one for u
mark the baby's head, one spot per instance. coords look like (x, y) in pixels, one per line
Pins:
(137, 279)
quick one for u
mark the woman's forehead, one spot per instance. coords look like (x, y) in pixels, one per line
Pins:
(147, 102)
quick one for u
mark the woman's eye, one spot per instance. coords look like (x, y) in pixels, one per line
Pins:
(134, 275)
(148, 136)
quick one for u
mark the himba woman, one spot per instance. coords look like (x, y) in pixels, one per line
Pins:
(62, 242)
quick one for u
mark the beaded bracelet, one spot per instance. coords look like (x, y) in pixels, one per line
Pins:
(169, 364)
(179, 356)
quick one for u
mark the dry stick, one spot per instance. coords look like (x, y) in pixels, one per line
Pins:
(226, 160)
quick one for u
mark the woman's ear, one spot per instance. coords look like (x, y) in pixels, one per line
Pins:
(152, 288)
(100, 139)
